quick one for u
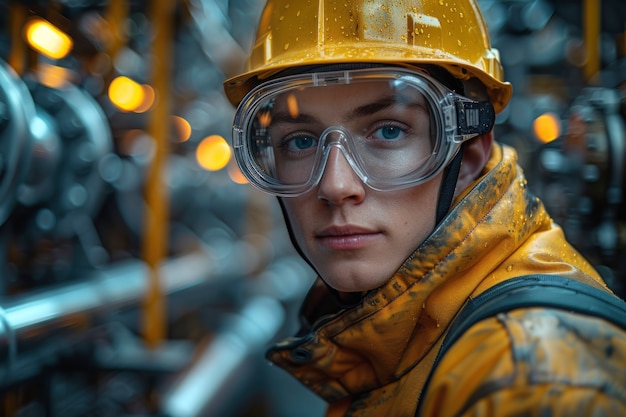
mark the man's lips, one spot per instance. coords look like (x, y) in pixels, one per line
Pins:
(347, 237)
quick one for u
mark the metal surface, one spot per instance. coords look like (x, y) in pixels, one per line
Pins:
(219, 367)
(100, 296)
(17, 113)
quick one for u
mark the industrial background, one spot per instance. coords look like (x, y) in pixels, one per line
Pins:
(141, 276)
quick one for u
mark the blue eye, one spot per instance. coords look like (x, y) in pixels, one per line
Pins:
(390, 132)
(299, 143)
(303, 142)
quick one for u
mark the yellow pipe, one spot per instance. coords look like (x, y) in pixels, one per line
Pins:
(116, 16)
(18, 52)
(156, 230)
(591, 22)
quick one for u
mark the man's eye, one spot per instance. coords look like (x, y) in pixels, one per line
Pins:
(388, 133)
(301, 143)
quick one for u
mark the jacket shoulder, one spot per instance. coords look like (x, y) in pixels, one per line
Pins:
(544, 359)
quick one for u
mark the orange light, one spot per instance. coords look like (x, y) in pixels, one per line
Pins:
(47, 39)
(126, 94)
(547, 127)
(213, 153)
(292, 105)
(148, 99)
(265, 118)
(235, 174)
(54, 76)
(182, 129)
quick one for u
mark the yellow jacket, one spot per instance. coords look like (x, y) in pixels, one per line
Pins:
(372, 359)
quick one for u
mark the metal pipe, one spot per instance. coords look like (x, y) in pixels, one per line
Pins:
(156, 226)
(591, 26)
(203, 390)
(116, 16)
(213, 384)
(103, 293)
(18, 51)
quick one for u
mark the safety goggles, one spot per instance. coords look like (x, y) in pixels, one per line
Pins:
(395, 127)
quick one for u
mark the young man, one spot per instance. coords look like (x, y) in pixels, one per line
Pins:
(371, 121)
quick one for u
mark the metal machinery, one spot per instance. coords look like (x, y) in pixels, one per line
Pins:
(135, 281)
(567, 118)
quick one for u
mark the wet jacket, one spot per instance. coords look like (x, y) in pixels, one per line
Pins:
(372, 359)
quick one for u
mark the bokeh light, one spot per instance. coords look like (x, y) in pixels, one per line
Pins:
(54, 76)
(213, 153)
(47, 39)
(149, 97)
(126, 94)
(235, 174)
(182, 129)
(547, 127)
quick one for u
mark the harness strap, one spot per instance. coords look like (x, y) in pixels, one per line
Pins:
(548, 291)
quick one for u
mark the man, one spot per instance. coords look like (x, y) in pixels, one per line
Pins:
(372, 122)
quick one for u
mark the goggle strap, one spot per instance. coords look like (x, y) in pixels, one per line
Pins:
(474, 118)
(448, 185)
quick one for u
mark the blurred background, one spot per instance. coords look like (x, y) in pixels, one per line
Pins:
(141, 276)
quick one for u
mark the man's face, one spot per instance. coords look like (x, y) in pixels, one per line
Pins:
(354, 236)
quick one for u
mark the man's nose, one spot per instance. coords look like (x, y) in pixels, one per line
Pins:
(339, 182)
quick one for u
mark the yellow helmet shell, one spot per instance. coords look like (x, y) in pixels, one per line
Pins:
(448, 33)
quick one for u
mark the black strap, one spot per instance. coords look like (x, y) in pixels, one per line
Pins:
(448, 185)
(550, 291)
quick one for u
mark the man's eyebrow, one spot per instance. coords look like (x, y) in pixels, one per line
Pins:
(285, 117)
(371, 108)
(383, 103)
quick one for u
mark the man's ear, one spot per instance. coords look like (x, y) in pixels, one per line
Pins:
(475, 155)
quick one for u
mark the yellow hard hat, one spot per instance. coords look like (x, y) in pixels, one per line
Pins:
(451, 34)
